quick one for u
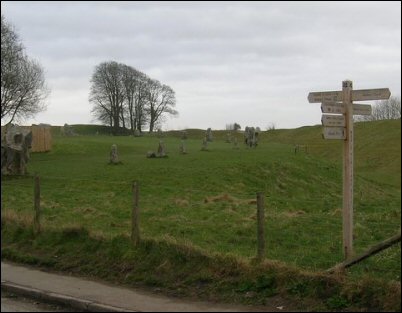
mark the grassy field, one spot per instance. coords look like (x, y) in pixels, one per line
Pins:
(206, 199)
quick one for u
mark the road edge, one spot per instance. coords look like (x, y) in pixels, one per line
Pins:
(56, 298)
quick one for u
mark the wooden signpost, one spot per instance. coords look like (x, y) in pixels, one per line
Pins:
(338, 124)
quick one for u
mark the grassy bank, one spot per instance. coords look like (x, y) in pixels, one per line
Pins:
(183, 270)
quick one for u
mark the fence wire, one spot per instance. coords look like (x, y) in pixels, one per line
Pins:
(296, 231)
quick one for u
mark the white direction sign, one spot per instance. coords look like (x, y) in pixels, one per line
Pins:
(339, 108)
(361, 109)
(370, 94)
(325, 96)
(357, 95)
(334, 133)
(333, 120)
(333, 107)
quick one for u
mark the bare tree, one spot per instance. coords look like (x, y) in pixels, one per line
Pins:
(234, 126)
(130, 88)
(23, 88)
(122, 95)
(107, 94)
(135, 88)
(271, 126)
(161, 100)
(141, 116)
(384, 110)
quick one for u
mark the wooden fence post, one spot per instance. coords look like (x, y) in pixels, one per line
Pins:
(260, 227)
(1, 198)
(135, 231)
(36, 222)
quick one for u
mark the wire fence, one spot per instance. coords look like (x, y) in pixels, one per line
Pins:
(304, 232)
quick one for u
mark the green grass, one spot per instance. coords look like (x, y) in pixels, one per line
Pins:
(207, 198)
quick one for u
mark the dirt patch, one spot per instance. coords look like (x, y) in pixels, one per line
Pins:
(221, 198)
(230, 199)
(181, 202)
(294, 214)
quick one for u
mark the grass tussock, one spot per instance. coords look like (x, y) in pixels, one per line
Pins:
(221, 198)
(21, 218)
(227, 198)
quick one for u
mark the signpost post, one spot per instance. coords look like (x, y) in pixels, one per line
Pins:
(347, 213)
(338, 124)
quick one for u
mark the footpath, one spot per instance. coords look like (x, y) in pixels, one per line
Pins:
(87, 295)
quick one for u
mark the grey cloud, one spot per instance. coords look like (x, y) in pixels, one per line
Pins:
(218, 55)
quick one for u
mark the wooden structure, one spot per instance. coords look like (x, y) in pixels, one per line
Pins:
(41, 137)
(339, 125)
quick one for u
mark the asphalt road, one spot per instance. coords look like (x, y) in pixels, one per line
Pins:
(101, 296)
(13, 303)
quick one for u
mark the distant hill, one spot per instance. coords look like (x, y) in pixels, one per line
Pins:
(377, 147)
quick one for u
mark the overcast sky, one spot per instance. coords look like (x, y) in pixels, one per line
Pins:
(253, 63)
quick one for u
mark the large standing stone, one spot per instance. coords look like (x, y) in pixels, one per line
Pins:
(114, 157)
(182, 148)
(204, 144)
(151, 154)
(67, 131)
(161, 150)
(137, 133)
(251, 136)
(228, 138)
(208, 134)
(235, 144)
(15, 145)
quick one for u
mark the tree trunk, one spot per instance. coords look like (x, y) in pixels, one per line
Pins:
(116, 124)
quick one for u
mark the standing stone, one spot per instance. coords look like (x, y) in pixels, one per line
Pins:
(228, 138)
(204, 144)
(235, 144)
(161, 149)
(256, 135)
(182, 148)
(114, 158)
(208, 135)
(151, 154)
(246, 131)
(137, 133)
(15, 147)
(183, 135)
(251, 136)
(67, 131)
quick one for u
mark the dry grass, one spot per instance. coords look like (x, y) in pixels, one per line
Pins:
(22, 219)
